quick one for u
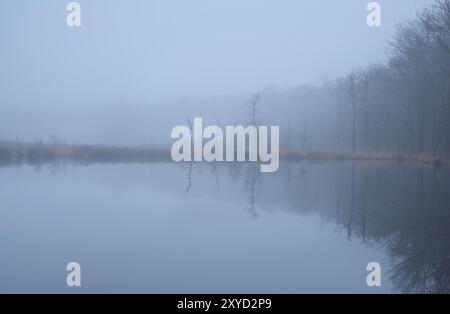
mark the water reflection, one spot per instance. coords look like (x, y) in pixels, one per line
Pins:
(401, 209)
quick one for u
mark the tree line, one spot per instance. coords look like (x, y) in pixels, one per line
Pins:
(404, 104)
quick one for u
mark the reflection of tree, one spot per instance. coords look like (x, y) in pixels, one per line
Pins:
(352, 201)
(252, 174)
(403, 207)
(409, 215)
(189, 178)
(217, 178)
(189, 175)
(423, 246)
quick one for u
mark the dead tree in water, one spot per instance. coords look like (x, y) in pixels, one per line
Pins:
(254, 102)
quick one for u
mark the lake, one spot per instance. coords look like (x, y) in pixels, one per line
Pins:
(225, 228)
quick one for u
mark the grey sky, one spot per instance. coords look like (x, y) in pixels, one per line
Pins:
(139, 51)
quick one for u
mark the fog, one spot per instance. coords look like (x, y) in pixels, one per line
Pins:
(134, 69)
(358, 176)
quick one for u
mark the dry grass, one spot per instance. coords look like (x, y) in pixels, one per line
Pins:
(363, 156)
(12, 152)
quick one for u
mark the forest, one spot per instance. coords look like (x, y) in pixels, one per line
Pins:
(403, 105)
(396, 110)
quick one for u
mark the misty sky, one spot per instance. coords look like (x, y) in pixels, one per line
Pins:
(136, 51)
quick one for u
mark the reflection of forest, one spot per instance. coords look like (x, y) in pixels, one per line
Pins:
(401, 206)
(405, 208)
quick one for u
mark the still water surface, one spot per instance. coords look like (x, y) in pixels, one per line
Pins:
(171, 228)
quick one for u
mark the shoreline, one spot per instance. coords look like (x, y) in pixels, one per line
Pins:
(36, 153)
